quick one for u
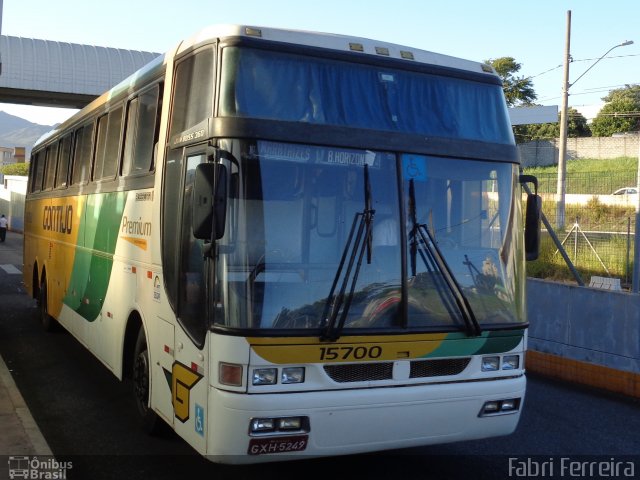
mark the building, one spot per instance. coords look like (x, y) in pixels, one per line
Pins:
(9, 156)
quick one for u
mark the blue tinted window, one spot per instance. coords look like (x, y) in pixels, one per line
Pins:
(294, 88)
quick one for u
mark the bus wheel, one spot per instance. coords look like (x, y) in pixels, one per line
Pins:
(48, 322)
(141, 376)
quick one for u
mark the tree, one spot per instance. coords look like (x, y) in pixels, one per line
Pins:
(21, 169)
(577, 127)
(517, 90)
(631, 92)
(620, 114)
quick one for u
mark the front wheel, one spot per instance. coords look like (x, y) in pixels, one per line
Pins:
(141, 376)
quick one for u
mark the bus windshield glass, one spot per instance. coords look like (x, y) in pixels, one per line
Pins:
(314, 232)
(331, 92)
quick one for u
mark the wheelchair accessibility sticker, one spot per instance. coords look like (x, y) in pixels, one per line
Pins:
(199, 423)
(414, 167)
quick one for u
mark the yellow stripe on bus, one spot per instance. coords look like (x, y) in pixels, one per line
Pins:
(344, 352)
(138, 242)
(346, 349)
(56, 224)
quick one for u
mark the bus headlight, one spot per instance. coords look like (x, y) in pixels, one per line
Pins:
(265, 376)
(510, 362)
(490, 364)
(292, 375)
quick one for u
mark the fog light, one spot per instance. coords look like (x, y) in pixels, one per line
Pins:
(262, 425)
(291, 423)
(491, 407)
(265, 376)
(490, 364)
(500, 407)
(510, 362)
(292, 375)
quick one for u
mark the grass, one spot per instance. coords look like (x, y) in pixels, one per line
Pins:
(589, 176)
(587, 258)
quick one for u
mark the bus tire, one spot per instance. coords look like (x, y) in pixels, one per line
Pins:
(141, 376)
(49, 324)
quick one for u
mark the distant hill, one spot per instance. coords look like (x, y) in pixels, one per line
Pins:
(18, 132)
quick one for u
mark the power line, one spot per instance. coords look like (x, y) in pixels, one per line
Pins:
(578, 60)
(592, 90)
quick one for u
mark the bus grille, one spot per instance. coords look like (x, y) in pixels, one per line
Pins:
(367, 372)
(360, 372)
(438, 368)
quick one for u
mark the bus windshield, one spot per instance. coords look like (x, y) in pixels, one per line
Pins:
(293, 211)
(330, 92)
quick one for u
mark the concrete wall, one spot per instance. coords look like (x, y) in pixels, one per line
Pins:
(585, 324)
(545, 152)
(12, 201)
(585, 335)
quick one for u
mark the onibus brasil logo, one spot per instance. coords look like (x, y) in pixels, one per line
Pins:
(38, 468)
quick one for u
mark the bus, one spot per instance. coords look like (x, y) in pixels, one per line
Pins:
(293, 244)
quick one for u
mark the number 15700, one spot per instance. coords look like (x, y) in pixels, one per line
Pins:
(350, 353)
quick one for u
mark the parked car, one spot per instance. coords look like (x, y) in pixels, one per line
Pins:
(626, 191)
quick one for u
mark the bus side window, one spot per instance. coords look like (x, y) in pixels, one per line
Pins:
(108, 145)
(62, 173)
(50, 168)
(193, 98)
(38, 171)
(82, 155)
(141, 133)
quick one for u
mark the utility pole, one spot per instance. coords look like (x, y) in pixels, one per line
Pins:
(562, 148)
(635, 283)
(1, 9)
(564, 121)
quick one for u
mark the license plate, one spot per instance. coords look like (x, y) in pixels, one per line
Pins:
(262, 446)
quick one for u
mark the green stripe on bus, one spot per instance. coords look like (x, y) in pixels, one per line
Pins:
(93, 261)
(489, 342)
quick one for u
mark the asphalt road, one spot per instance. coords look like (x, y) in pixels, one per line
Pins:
(88, 418)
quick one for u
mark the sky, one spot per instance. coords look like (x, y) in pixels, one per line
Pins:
(532, 32)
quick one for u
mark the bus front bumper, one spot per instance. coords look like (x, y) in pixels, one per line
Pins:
(359, 420)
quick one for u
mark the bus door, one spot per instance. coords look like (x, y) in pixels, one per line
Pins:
(189, 382)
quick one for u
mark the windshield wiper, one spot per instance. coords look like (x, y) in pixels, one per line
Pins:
(359, 240)
(422, 240)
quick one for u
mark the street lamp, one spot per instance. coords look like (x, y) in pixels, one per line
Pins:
(562, 149)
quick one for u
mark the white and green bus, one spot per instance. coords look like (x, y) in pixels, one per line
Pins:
(294, 244)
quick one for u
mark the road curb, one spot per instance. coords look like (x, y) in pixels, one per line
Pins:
(33, 433)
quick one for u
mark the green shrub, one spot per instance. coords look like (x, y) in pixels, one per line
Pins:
(21, 169)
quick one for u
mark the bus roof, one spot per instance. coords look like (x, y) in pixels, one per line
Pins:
(298, 37)
(335, 42)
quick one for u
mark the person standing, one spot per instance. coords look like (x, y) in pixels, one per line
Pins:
(4, 223)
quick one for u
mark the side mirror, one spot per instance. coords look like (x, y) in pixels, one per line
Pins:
(209, 201)
(532, 219)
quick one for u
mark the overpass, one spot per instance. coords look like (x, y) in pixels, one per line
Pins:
(58, 74)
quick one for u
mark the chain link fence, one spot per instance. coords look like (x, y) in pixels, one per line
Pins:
(598, 234)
